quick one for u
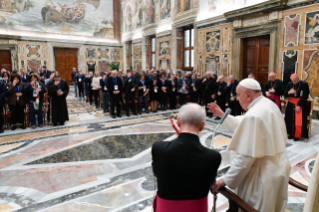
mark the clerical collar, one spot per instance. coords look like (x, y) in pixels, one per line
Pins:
(253, 102)
(189, 132)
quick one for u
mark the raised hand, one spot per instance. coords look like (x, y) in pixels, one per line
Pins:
(214, 108)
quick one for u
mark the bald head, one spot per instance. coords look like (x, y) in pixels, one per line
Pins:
(220, 79)
(294, 79)
(272, 76)
(191, 117)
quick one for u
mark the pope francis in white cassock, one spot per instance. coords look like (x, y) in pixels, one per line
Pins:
(260, 169)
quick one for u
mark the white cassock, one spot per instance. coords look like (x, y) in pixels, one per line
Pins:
(260, 170)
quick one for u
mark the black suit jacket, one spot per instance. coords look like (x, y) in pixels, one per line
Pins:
(3, 93)
(185, 169)
(110, 85)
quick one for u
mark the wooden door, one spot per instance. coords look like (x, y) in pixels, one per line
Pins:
(65, 60)
(256, 57)
(5, 60)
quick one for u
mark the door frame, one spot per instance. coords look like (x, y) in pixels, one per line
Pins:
(273, 29)
(80, 53)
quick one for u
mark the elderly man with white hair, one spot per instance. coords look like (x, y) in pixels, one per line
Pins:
(260, 169)
(185, 169)
(296, 111)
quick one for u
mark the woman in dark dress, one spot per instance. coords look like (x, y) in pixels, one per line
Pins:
(154, 93)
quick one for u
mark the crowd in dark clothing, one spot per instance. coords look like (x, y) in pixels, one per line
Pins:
(162, 89)
(25, 93)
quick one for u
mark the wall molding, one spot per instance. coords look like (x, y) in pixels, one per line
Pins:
(256, 10)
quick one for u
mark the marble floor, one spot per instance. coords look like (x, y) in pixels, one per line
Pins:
(95, 163)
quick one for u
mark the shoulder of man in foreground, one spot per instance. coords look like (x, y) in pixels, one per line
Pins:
(159, 146)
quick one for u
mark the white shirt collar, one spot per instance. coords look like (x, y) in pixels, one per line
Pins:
(253, 102)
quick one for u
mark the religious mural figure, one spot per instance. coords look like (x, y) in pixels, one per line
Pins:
(183, 5)
(128, 18)
(150, 11)
(312, 27)
(164, 48)
(165, 9)
(139, 14)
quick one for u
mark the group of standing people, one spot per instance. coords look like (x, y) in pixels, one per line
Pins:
(25, 93)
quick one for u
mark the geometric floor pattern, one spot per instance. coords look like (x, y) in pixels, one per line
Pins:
(94, 163)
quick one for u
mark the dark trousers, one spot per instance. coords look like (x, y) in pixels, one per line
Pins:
(1, 116)
(91, 93)
(200, 98)
(207, 101)
(105, 101)
(49, 110)
(172, 102)
(17, 112)
(163, 101)
(116, 100)
(130, 97)
(142, 98)
(182, 101)
(194, 97)
(221, 104)
(96, 98)
(235, 108)
(81, 93)
(33, 112)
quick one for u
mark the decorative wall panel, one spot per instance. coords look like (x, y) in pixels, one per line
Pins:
(312, 70)
(226, 39)
(213, 41)
(312, 28)
(98, 57)
(292, 30)
(163, 53)
(32, 55)
(200, 42)
(225, 66)
(213, 64)
(289, 65)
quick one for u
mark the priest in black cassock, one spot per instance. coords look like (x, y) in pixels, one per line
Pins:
(220, 93)
(296, 111)
(274, 88)
(58, 92)
(207, 85)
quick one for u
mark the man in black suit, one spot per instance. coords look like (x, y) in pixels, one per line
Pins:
(194, 86)
(208, 90)
(220, 94)
(45, 74)
(3, 92)
(130, 88)
(231, 96)
(115, 86)
(24, 76)
(185, 169)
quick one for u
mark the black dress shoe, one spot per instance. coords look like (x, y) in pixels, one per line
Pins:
(114, 116)
(295, 139)
(128, 115)
(55, 124)
(290, 137)
(22, 127)
(62, 123)
(13, 128)
(135, 114)
(120, 116)
(1, 130)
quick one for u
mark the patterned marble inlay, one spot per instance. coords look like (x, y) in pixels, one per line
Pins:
(108, 147)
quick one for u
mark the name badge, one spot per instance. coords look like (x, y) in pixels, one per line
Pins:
(105, 88)
(35, 93)
(155, 90)
(194, 88)
(219, 93)
(116, 87)
(17, 98)
(173, 89)
(183, 87)
(231, 94)
(80, 80)
(144, 90)
(129, 80)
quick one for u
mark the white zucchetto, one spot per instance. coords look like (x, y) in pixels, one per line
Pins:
(250, 84)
